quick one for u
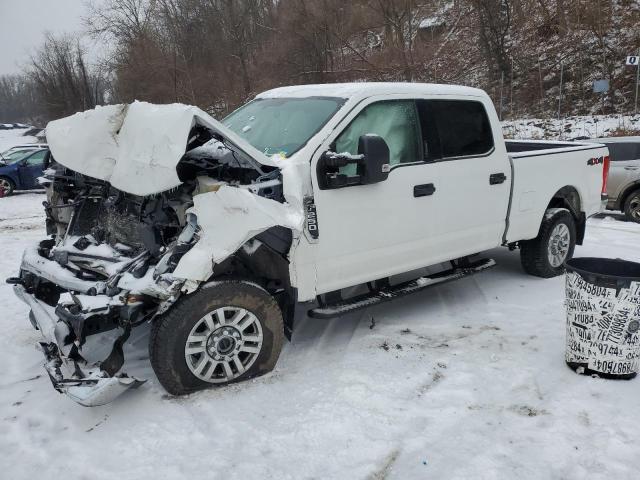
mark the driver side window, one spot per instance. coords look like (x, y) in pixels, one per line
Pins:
(396, 121)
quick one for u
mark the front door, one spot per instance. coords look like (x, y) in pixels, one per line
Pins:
(30, 169)
(373, 231)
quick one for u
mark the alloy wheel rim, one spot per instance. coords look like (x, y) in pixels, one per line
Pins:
(558, 247)
(223, 344)
(634, 208)
(5, 186)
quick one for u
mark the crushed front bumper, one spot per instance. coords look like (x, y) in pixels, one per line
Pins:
(89, 385)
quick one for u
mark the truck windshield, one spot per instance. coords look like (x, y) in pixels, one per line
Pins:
(282, 125)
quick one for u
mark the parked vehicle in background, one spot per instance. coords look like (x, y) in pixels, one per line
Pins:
(17, 150)
(624, 175)
(21, 168)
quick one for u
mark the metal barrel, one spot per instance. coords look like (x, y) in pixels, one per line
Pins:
(603, 317)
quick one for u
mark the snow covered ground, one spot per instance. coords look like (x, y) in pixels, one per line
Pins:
(10, 138)
(592, 126)
(464, 381)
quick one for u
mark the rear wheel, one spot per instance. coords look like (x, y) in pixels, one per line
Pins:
(544, 256)
(632, 207)
(6, 187)
(228, 332)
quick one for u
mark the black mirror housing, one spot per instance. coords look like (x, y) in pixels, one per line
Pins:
(372, 164)
(376, 158)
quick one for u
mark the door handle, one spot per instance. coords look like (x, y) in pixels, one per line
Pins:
(497, 178)
(631, 168)
(424, 190)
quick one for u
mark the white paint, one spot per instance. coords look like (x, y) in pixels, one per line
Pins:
(360, 90)
(537, 178)
(135, 148)
(373, 231)
(228, 218)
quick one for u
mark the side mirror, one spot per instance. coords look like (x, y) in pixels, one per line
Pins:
(371, 164)
(376, 156)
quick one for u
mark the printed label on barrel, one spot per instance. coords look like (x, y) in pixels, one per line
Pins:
(602, 327)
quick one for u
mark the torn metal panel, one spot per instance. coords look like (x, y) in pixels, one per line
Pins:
(228, 218)
(87, 384)
(134, 147)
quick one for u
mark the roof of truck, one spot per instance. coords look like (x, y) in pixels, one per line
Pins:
(368, 89)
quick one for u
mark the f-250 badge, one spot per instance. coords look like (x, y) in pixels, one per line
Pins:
(312, 219)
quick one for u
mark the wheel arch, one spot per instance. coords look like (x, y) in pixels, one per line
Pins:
(264, 259)
(13, 180)
(568, 197)
(629, 189)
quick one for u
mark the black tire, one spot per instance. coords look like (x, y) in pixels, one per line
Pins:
(7, 186)
(534, 254)
(632, 207)
(169, 333)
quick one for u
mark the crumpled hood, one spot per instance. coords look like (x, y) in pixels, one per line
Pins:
(134, 147)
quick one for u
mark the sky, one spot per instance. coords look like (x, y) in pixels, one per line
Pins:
(23, 24)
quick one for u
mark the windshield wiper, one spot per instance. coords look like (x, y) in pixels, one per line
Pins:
(238, 151)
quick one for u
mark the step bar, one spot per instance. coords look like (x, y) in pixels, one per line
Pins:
(386, 294)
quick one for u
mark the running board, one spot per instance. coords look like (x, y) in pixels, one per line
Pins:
(390, 293)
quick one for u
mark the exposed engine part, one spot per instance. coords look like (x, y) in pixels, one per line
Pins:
(111, 258)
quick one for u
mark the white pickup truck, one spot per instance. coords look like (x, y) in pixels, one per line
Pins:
(220, 233)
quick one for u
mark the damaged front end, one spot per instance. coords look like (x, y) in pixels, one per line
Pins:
(110, 262)
(108, 265)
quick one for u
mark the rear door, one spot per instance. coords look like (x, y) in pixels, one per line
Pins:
(474, 176)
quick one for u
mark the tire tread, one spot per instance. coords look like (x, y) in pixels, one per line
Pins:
(164, 328)
(533, 253)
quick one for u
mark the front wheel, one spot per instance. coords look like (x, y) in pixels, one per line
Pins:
(226, 332)
(632, 207)
(6, 187)
(544, 256)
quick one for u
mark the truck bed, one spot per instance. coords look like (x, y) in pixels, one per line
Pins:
(540, 169)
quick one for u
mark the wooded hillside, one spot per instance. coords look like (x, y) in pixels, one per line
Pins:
(218, 53)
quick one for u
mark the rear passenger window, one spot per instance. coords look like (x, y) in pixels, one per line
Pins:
(455, 128)
(620, 152)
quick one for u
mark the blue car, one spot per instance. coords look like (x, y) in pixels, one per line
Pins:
(21, 172)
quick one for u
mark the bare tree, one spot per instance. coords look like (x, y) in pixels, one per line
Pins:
(400, 20)
(61, 78)
(18, 101)
(494, 22)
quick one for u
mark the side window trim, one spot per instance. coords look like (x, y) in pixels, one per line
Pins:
(465, 157)
(420, 145)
